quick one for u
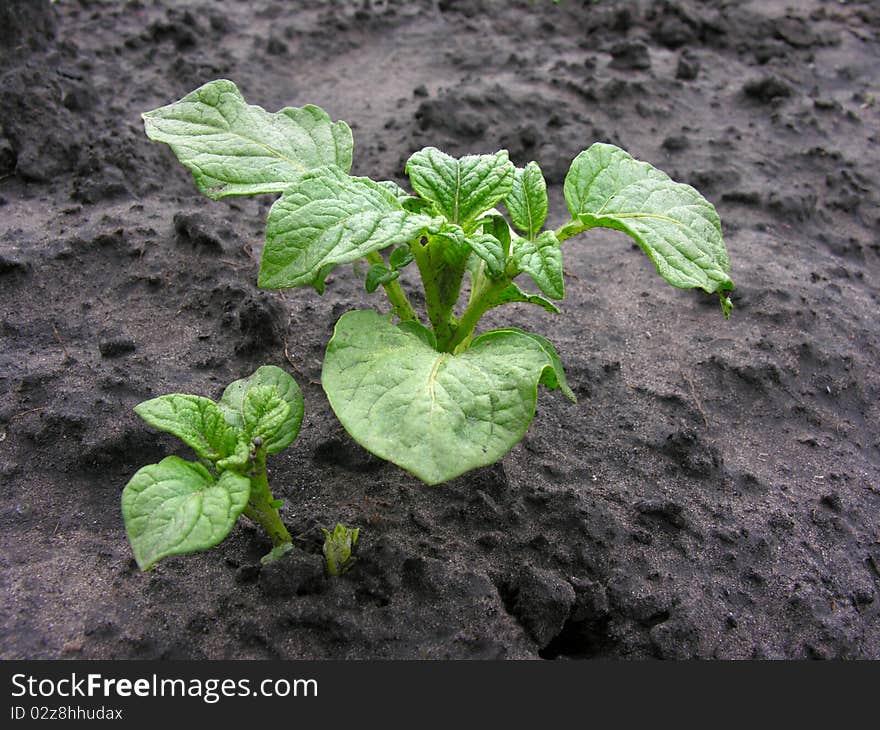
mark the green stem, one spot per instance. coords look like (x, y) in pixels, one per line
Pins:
(442, 283)
(260, 506)
(480, 303)
(396, 295)
(572, 228)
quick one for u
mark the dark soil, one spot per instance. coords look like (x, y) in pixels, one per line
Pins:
(716, 492)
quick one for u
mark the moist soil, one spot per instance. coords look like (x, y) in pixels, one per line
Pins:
(715, 493)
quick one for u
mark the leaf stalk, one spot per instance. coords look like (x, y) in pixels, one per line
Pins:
(396, 295)
(570, 229)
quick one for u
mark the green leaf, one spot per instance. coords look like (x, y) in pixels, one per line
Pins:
(512, 293)
(490, 250)
(425, 334)
(338, 546)
(677, 227)
(239, 458)
(264, 412)
(496, 225)
(326, 219)
(196, 421)
(527, 202)
(541, 259)
(417, 205)
(276, 553)
(398, 192)
(233, 148)
(176, 507)
(437, 415)
(552, 377)
(460, 189)
(401, 257)
(448, 243)
(241, 411)
(377, 275)
(494, 260)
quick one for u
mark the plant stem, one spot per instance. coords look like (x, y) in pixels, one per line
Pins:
(480, 303)
(396, 295)
(572, 228)
(260, 508)
(442, 282)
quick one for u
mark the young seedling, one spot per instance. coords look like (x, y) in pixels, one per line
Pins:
(338, 546)
(433, 397)
(179, 506)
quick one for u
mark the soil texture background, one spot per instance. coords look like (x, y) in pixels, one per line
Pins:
(714, 494)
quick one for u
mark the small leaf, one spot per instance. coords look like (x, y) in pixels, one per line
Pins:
(527, 202)
(264, 412)
(490, 250)
(496, 225)
(284, 386)
(276, 553)
(239, 458)
(451, 242)
(176, 507)
(233, 148)
(377, 275)
(401, 257)
(675, 225)
(196, 421)
(327, 219)
(513, 293)
(435, 414)
(460, 189)
(542, 260)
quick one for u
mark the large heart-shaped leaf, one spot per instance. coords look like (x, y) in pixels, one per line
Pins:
(675, 225)
(435, 414)
(176, 507)
(326, 219)
(255, 406)
(234, 148)
(196, 421)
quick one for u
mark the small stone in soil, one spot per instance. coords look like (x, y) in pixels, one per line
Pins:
(688, 67)
(766, 89)
(630, 56)
(116, 347)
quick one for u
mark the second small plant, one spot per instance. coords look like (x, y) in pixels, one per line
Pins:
(179, 506)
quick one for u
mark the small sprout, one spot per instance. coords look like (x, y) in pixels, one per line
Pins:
(337, 548)
(179, 506)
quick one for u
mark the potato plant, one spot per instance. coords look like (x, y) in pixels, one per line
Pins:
(426, 391)
(179, 506)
